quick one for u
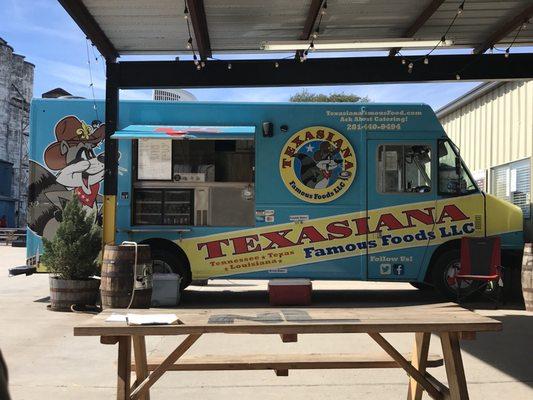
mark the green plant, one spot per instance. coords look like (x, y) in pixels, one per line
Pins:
(304, 96)
(72, 253)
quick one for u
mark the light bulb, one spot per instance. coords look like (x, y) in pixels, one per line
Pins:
(411, 65)
(426, 60)
(403, 61)
(276, 64)
(506, 53)
(202, 64)
(198, 67)
(458, 77)
(229, 66)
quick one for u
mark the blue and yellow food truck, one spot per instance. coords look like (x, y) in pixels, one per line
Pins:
(343, 191)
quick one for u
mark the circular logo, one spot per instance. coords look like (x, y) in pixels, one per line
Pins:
(317, 164)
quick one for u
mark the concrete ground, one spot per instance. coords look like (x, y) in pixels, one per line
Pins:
(47, 362)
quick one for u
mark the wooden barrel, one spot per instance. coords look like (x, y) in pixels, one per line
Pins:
(527, 276)
(117, 286)
(65, 293)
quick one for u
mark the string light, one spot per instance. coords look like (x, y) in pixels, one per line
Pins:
(522, 26)
(303, 56)
(91, 82)
(276, 64)
(461, 8)
(189, 43)
(458, 77)
(186, 12)
(324, 8)
(229, 66)
(425, 58)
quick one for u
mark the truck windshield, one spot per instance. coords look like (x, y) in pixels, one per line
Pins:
(454, 178)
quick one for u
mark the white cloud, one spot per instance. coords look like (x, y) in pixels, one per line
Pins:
(135, 95)
(27, 19)
(70, 76)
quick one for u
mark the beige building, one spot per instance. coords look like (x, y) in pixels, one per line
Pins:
(493, 126)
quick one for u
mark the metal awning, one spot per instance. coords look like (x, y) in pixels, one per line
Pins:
(182, 132)
(240, 26)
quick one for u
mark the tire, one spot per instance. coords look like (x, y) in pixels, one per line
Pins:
(166, 261)
(421, 286)
(442, 276)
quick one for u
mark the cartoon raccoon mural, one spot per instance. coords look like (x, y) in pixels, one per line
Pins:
(71, 169)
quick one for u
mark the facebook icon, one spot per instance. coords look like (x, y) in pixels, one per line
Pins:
(398, 269)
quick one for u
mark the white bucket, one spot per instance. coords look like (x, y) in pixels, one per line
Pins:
(165, 289)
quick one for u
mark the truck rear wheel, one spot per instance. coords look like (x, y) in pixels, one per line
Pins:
(166, 262)
(443, 275)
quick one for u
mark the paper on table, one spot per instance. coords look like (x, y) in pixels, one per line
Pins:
(144, 319)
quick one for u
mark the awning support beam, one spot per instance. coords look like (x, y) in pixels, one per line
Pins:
(310, 22)
(90, 27)
(419, 23)
(199, 24)
(320, 71)
(505, 29)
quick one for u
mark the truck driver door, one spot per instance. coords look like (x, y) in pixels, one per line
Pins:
(401, 201)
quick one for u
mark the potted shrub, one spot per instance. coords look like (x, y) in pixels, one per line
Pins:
(71, 258)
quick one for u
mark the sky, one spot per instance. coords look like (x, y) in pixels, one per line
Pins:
(46, 35)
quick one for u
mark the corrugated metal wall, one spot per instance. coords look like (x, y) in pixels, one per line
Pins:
(495, 129)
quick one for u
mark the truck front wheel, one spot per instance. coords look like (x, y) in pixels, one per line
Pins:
(443, 275)
(166, 261)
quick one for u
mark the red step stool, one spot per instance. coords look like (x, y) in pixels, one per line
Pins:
(290, 292)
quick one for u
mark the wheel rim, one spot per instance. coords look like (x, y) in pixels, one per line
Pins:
(451, 281)
(161, 267)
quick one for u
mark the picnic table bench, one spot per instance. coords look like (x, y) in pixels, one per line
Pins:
(448, 321)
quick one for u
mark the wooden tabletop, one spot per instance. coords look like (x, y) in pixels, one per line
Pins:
(443, 317)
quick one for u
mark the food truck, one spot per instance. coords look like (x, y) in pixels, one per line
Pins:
(336, 191)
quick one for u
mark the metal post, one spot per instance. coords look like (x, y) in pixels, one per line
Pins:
(111, 153)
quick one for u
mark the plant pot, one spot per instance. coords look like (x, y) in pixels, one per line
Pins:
(64, 293)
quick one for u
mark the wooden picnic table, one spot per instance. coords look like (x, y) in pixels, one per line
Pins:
(448, 321)
(9, 235)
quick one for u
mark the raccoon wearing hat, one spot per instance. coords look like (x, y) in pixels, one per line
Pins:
(78, 171)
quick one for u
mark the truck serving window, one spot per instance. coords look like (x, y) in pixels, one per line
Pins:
(404, 168)
(219, 160)
(454, 178)
(198, 182)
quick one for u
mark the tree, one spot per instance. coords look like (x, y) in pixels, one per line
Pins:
(72, 253)
(336, 97)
